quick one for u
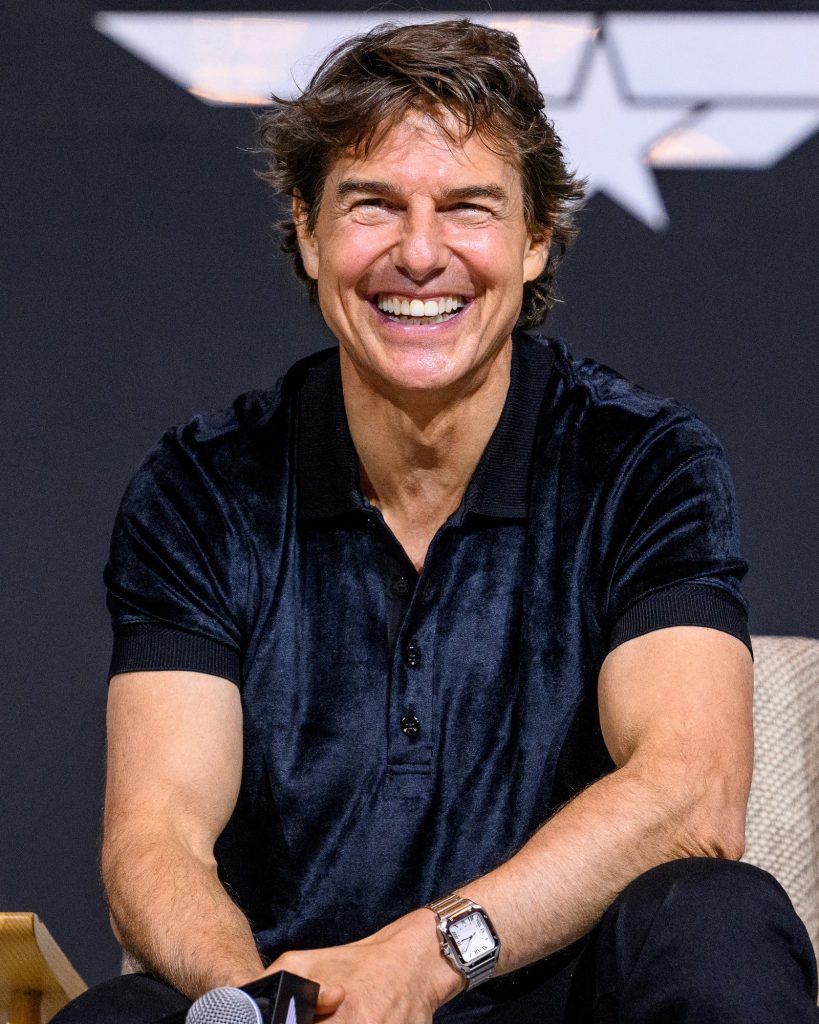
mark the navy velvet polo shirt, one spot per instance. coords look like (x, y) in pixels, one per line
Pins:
(403, 734)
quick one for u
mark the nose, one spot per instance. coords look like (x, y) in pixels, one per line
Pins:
(420, 251)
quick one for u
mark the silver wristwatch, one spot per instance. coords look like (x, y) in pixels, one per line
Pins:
(467, 938)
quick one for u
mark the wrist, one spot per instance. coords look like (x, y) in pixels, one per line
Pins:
(234, 975)
(468, 940)
(446, 979)
(416, 935)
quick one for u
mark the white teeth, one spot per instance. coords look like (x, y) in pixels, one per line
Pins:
(420, 310)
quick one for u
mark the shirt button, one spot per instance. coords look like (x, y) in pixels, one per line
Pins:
(412, 654)
(400, 586)
(410, 726)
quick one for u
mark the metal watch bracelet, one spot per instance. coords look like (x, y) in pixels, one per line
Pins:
(449, 906)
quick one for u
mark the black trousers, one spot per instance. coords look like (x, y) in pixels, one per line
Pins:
(690, 942)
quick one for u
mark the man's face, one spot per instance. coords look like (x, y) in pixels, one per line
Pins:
(420, 252)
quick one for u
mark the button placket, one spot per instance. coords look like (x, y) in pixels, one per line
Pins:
(412, 717)
(412, 727)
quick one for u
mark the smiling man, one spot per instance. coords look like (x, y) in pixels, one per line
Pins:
(431, 675)
(420, 250)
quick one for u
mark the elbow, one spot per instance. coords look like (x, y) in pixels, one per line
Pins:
(115, 928)
(727, 817)
(704, 811)
(725, 841)
(720, 809)
(110, 874)
(106, 866)
(117, 858)
(713, 824)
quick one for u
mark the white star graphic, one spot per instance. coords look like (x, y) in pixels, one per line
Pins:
(607, 137)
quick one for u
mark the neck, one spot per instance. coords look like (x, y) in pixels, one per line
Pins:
(418, 451)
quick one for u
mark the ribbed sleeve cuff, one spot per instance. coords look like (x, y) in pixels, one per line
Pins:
(148, 647)
(687, 604)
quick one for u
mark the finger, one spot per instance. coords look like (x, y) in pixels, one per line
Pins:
(330, 997)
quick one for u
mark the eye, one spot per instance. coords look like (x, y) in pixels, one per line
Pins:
(372, 201)
(372, 210)
(470, 210)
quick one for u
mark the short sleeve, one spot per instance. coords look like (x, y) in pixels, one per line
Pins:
(679, 562)
(177, 567)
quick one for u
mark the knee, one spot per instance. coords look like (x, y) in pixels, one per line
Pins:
(718, 929)
(700, 887)
(127, 999)
(724, 904)
(702, 876)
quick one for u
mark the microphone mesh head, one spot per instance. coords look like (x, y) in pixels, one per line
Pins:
(224, 1006)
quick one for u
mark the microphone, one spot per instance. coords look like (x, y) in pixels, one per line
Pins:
(223, 1005)
(280, 998)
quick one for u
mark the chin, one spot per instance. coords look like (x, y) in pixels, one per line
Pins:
(419, 371)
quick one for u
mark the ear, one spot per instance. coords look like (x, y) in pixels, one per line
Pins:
(536, 256)
(308, 247)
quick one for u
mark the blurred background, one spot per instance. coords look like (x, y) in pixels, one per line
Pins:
(142, 283)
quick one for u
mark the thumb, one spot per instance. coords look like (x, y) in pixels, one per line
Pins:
(330, 997)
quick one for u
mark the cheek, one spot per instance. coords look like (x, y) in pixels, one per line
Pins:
(491, 257)
(348, 258)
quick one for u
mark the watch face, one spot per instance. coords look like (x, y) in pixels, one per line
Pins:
(471, 937)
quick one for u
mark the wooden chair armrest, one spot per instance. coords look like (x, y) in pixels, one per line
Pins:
(36, 977)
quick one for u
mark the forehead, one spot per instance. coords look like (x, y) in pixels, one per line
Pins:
(417, 153)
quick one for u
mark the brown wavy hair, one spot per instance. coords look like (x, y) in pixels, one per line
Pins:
(455, 68)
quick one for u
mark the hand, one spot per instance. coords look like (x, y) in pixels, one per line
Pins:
(395, 976)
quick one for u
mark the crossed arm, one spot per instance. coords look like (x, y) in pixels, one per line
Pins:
(675, 708)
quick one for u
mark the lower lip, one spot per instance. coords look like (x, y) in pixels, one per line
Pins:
(407, 327)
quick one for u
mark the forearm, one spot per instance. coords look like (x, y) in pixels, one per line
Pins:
(563, 879)
(174, 915)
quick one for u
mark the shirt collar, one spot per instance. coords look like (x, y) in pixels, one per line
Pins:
(328, 471)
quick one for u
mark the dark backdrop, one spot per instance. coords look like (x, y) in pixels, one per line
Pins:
(142, 285)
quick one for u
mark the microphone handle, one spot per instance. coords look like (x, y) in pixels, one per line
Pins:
(283, 998)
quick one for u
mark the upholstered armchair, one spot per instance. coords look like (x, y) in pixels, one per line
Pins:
(782, 833)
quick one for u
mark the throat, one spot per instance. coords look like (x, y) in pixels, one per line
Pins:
(413, 517)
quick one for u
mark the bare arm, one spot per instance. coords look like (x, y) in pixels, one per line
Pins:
(675, 708)
(174, 769)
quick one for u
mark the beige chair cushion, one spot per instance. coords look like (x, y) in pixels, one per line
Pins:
(782, 833)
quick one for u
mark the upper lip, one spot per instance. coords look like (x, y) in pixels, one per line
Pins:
(441, 294)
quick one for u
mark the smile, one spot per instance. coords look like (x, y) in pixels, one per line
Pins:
(420, 311)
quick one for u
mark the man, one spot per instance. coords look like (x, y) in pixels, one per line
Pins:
(448, 618)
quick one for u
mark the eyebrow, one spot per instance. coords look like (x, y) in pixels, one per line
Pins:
(357, 186)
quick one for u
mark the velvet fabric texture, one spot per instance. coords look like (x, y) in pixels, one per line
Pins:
(244, 548)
